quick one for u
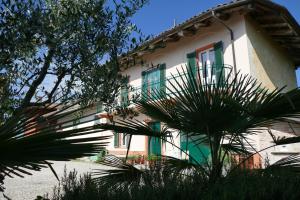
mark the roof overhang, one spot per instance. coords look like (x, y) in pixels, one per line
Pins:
(275, 19)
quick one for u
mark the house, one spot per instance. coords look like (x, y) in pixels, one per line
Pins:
(256, 37)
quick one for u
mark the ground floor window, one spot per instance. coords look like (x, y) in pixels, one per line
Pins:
(121, 140)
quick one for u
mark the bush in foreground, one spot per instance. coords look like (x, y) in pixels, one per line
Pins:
(242, 185)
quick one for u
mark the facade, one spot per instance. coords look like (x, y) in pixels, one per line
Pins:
(259, 38)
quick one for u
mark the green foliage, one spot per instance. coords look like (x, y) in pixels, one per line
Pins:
(72, 187)
(258, 185)
(242, 185)
(69, 43)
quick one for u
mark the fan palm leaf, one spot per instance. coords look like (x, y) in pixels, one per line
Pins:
(33, 137)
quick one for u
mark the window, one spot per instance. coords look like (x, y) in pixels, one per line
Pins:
(125, 94)
(206, 63)
(116, 139)
(121, 140)
(124, 140)
(153, 82)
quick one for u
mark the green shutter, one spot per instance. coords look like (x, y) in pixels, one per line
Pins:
(154, 142)
(163, 80)
(144, 85)
(192, 63)
(218, 65)
(116, 139)
(125, 95)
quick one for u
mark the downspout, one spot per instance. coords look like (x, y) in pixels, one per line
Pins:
(231, 39)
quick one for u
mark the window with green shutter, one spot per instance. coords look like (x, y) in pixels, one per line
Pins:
(144, 85)
(153, 83)
(125, 94)
(162, 69)
(210, 63)
(116, 139)
(154, 143)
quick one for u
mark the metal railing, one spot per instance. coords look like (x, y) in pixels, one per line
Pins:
(207, 75)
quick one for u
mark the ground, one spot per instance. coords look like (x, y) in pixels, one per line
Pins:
(42, 182)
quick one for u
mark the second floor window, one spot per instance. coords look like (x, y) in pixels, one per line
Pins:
(206, 63)
(125, 94)
(153, 83)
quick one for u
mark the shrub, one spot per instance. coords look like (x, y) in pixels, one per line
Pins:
(242, 185)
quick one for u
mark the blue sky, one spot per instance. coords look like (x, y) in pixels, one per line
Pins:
(159, 15)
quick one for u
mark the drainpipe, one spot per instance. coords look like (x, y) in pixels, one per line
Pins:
(231, 39)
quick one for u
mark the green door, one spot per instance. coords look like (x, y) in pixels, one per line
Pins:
(199, 152)
(154, 144)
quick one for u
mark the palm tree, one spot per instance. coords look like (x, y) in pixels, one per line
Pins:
(220, 114)
(34, 137)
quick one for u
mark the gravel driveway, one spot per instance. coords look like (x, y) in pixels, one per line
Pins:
(42, 182)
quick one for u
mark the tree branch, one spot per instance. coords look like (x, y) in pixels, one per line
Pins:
(39, 80)
(59, 79)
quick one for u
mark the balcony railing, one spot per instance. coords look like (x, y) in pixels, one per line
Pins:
(210, 74)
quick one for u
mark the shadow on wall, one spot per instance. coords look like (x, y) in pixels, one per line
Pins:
(269, 62)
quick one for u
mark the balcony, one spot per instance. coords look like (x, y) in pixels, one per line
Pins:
(208, 75)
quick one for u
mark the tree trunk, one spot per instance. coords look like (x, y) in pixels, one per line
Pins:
(216, 171)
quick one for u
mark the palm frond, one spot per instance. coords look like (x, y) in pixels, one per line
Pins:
(120, 175)
(235, 105)
(290, 163)
(32, 137)
(236, 149)
(287, 140)
(135, 127)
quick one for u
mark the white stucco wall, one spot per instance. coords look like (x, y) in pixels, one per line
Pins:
(269, 62)
(174, 54)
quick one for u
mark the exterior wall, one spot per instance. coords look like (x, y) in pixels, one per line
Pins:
(269, 63)
(174, 56)
(274, 154)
